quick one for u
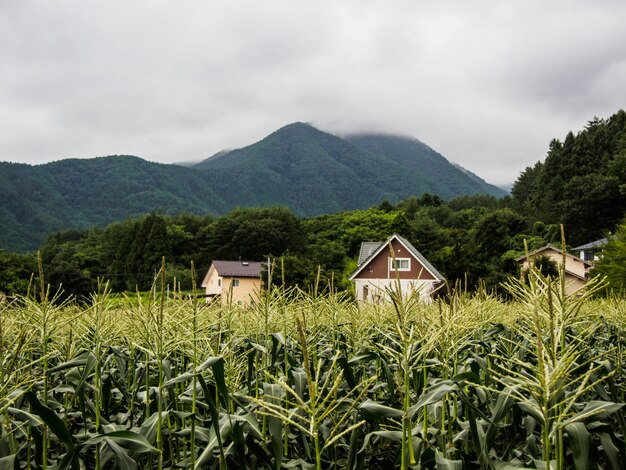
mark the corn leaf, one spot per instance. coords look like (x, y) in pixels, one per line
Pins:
(378, 410)
(580, 439)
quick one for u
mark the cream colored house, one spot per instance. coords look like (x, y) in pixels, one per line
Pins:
(576, 269)
(233, 282)
(378, 271)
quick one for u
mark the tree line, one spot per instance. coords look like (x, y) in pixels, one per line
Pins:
(467, 238)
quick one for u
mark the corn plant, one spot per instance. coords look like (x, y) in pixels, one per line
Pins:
(310, 379)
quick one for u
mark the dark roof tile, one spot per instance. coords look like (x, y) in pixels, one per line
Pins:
(238, 268)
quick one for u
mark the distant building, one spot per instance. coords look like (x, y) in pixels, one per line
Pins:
(576, 269)
(378, 271)
(233, 282)
(592, 251)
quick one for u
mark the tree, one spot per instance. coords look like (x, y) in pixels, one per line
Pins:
(254, 233)
(592, 205)
(546, 266)
(15, 272)
(494, 238)
(612, 265)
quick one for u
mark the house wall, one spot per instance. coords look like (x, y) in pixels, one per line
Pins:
(244, 294)
(210, 283)
(379, 267)
(572, 264)
(378, 289)
(573, 284)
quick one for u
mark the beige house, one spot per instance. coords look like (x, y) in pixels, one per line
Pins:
(233, 282)
(378, 271)
(576, 269)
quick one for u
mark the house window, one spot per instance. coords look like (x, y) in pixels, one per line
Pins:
(235, 282)
(400, 264)
(219, 282)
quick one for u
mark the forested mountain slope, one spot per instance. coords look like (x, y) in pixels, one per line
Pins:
(76, 193)
(315, 172)
(581, 183)
(429, 170)
(310, 171)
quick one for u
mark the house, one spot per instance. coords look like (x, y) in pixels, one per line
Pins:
(591, 252)
(378, 271)
(576, 269)
(233, 282)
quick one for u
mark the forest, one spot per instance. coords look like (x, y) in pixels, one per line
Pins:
(581, 185)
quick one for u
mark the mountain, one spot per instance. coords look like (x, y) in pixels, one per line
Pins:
(315, 172)
(310, 171)
(429, 170)
(78, 193)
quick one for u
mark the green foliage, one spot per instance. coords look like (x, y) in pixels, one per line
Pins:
(303, 380)
(310, 171)
(466, 239)
(612, 264)
(15, 272)
(581, 182)
(254, 234)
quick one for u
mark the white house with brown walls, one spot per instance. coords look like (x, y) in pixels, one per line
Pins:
(383, 266)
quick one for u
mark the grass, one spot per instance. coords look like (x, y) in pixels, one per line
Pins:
(313, 380)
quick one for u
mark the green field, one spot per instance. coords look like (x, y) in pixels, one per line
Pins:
(312, 380)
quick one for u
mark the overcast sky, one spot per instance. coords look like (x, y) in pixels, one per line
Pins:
(487, 84)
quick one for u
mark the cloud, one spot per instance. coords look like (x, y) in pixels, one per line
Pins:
(487, 84)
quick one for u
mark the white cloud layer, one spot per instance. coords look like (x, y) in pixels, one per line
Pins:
(487, 84)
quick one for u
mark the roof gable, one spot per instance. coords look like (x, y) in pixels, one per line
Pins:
(385, 245)
(592, 245)
(367, 248)
(552, 248)
(569, 257)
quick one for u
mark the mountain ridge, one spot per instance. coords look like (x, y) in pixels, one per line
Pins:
(310, 171)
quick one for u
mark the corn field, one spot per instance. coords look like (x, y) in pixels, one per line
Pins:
(312, 381)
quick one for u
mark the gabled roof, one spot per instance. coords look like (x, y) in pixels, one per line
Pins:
(367, 248)
(233, 269)
(592, 245)
(554, 248)
(238, 268)
(558, 250)
(373, 253)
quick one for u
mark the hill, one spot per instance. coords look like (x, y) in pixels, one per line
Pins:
(77, 193)
(429, 170)
(308, 170)
(581, 183)
(315, 172)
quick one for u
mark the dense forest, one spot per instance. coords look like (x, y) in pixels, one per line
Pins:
(581, 184)
(467, 238)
